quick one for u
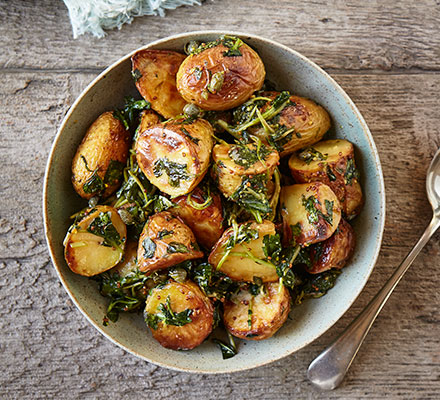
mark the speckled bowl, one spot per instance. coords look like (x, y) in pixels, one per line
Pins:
(288, 70)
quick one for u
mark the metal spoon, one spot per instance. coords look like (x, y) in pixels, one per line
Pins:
(328, 370)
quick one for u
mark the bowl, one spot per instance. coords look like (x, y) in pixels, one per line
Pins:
(288, 70)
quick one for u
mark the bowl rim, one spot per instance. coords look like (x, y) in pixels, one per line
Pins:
(348, 101)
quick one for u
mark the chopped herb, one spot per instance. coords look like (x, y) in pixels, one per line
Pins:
(313, 212)
(149, 247)
(175, 171)
(103, 226)
(161, 203)
(248, 155)
(188, 135)
(228, 350)
(296, 231)
(249, 321)
(113, 173)
(255, 288)
(351, 172)
(131, 110)
(329, 208)
(164, 233)
(95, 184)
(310, 154)
(317, 285)
(136, 74)
(168, 316)
(330, 174)
(175, 247)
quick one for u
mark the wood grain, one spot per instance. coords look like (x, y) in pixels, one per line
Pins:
(384, 56)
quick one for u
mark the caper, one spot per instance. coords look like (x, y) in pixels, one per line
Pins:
(93, 201)
(191, 47)
(216, 82)
(205, 94)
(126, 217)
(192, 110)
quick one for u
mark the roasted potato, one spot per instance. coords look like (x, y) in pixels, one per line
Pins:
(333, 252)
(128, 263)
(233, 162)
(165, 241)
(96, 243)
(257, 317)
(175, 156)
(205, 220)
(155, 73)
(307, 120)
(177, 298)
(237, 265)
(100, 158)
(311, 212)
(219, 77)
(331, 162)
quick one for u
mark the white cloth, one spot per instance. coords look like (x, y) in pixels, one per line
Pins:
(93, 16)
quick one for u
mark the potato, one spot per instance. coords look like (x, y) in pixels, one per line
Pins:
(180, 297)
(235, 162)
(148, 119)
(165, 241)
(238, 266)
(257, 317)
(331, 162)
(128, 263)
(311, 212)
(88, 253)
(333, 252)
(101, 157)
(175, 156)
(309, 120)
(206, 223)
(155, 74)
(214, 79)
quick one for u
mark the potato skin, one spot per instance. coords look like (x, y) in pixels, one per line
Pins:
(293, 211)
(242, 268)
(269, 312)
(157, 81)
(92, 257)
(243, 75)
(187, 144)
(229, 174)
(206, 224)
(310, 120)
(148, 119)
(186, 295)
(333, 172)
(335, 251)
(128, 264)
(159, 254)
(106, 140)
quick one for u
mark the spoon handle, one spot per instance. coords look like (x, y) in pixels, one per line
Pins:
(328, 370)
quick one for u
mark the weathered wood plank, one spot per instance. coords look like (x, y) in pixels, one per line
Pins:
(373, 35)
(49, 350)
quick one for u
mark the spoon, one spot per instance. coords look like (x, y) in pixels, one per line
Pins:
(328, 369)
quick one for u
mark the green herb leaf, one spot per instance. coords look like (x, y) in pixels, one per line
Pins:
(188, 135)
(310, 154)
(330, 174)
(175, 247)
(164, 233)
(329, 208)
(136, 74)
(175, 171)
(94, 185)
(168, 316)
(246, 155)
(113, 173)
(228, 350)
(102, 226)
(351, 172)
(149, 247)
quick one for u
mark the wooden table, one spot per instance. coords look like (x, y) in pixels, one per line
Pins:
(385, 55)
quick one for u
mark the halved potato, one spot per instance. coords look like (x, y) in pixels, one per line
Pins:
(309, 121)
(206, 222)
(155, 73)
(311, 212)
(180, 297)
(165, 241)
(96, 243)
(100, 158)
(331, 162)
(175, 156)
(214, 79)
(234, 162)
(128, 263)
(240, 267)
(333, 252)
(257, 317)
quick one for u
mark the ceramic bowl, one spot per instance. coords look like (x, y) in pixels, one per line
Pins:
(288, 70)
